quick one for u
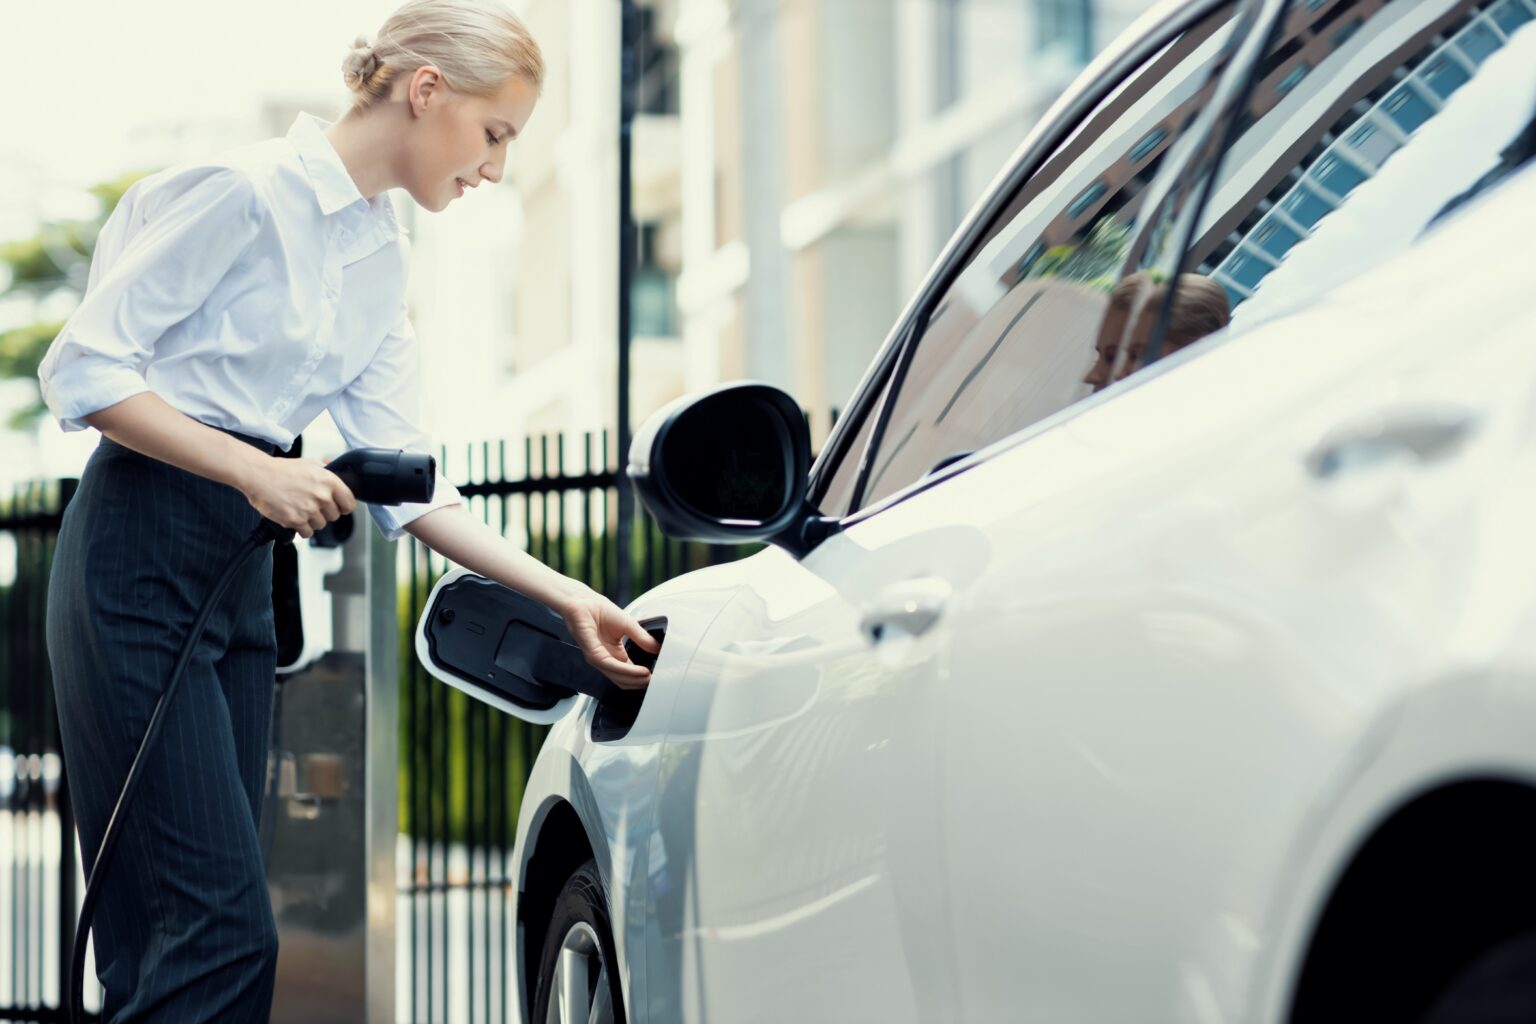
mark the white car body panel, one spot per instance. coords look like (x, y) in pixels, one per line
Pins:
(1214, 641)
(1177, 681)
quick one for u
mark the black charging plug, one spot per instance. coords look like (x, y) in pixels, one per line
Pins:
(385, 476)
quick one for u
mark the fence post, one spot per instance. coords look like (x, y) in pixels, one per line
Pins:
(30, 517)
(629, 41)
(383, 778)
(331, 870)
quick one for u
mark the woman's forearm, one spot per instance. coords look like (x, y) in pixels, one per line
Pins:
(458, 536)
(149, 425)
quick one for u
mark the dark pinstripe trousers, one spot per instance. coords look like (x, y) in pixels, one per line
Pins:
(184, 929)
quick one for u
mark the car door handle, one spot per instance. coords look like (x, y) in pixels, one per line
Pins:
(910, 607)
(1426, 434)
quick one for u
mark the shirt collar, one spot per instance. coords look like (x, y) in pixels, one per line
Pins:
(334, 187)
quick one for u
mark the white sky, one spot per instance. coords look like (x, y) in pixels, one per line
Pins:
(85, 73)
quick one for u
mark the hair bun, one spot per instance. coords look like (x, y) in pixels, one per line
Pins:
(360, 63)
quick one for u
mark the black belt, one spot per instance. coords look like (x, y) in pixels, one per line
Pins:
(255, 442)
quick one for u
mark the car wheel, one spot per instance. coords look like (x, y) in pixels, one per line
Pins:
(1499, 987)
(578, 972)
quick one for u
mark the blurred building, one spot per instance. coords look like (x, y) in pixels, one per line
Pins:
(544, 340)
(798, 165)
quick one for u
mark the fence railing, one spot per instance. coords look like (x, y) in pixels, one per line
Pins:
(463, 763)
(38, 867)
(462, 766)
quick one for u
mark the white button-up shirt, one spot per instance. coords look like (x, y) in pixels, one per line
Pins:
(250, 293)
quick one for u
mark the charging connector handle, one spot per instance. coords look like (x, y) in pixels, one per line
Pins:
(385, 476)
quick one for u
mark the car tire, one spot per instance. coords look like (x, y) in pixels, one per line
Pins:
(578, 971)
(1499, 987)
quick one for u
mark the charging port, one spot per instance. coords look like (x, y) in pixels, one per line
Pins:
(615, 714)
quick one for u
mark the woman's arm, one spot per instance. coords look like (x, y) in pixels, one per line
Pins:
(596, 623)
(297, 493)
(302, 494)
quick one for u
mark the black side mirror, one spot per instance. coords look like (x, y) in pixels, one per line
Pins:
(729, 466)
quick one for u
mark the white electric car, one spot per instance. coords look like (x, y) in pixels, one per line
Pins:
(1154, 638)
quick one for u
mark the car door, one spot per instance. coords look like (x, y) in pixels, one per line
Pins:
(793, 839)
(798, 867)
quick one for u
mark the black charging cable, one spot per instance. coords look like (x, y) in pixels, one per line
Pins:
(266, 831)
(374, 475)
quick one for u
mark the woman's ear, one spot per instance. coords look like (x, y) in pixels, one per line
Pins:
(426, 87)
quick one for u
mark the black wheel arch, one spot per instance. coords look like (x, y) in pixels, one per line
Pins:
(561, 846)
(1442, 878)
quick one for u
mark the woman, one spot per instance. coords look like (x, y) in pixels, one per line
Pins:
(229, 303)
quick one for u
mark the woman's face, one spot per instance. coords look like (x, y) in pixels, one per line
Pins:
(459, 140)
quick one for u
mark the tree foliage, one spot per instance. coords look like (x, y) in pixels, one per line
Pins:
(57, 256)
(1095, 259)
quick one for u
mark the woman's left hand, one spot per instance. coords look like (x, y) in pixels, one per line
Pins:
(599, 627)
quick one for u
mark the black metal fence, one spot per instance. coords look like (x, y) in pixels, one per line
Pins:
(38, 883)
(463, 763)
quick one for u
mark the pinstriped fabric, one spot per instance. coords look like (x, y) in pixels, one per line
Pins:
(184, 930)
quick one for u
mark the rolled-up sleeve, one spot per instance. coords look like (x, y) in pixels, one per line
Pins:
(380, 409)
(144, 279)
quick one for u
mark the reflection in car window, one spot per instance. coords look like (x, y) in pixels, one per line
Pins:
(1399, 108)
(1015, 337)
(837, 497)
(1197, 307)
(1363, 120)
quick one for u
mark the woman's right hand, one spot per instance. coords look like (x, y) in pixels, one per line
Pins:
(300, 494)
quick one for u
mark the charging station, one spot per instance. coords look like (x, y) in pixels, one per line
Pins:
(330, 817)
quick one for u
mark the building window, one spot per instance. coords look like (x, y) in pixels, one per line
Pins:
(1337, 176)
(1092, 194)
(1407, 108)
(657, 90)
(1296, 74)
(1030, 259)
(653, 289)
(1444, 76)
(1343, 35)
(1478, 41)
(1144, 148)
(1510, 15)
(1066, 25)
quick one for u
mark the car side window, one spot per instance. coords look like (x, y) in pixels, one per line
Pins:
(1015, 337)
(837, 496)
(1367, 123)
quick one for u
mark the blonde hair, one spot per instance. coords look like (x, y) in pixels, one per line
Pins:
(476, 44)
(1200, 306)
